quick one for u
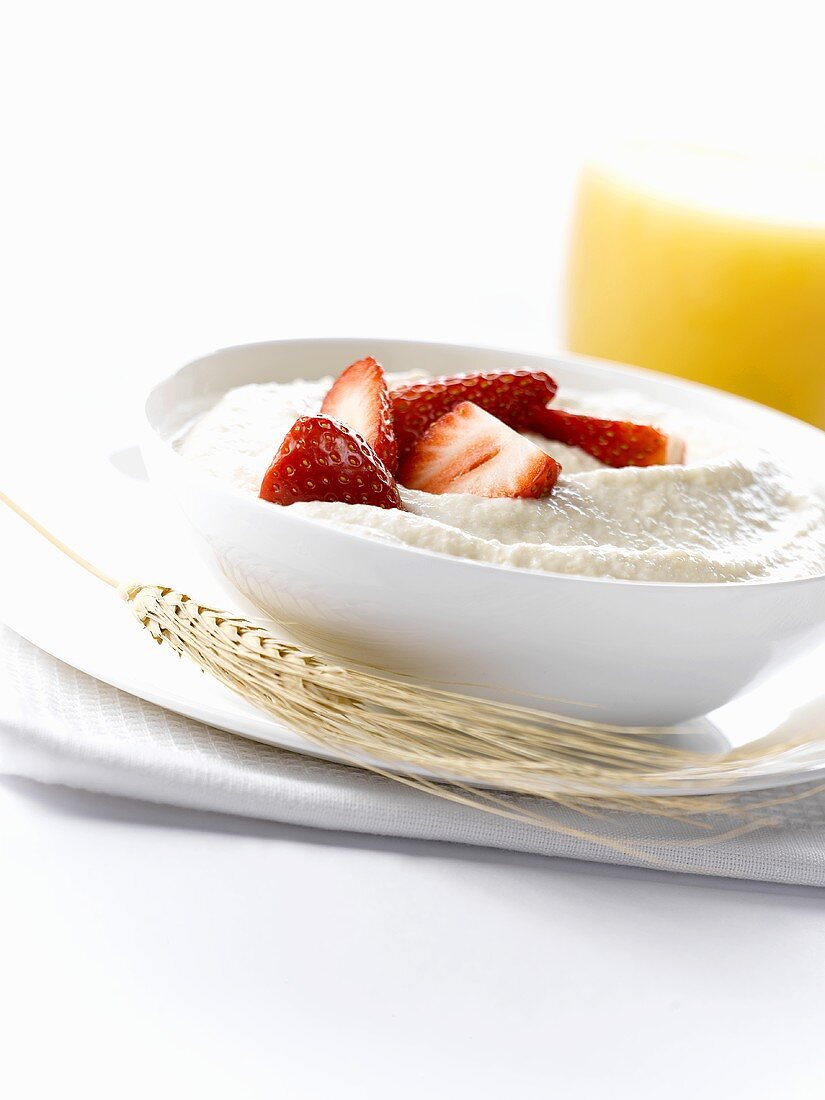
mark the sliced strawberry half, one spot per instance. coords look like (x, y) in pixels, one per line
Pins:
(469, 451)
(614, 442)
(321, 459)
(511, 396)
(360, 399)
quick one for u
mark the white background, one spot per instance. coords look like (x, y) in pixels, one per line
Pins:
(176, 177)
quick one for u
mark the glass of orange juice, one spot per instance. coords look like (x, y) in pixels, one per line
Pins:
(706, 265)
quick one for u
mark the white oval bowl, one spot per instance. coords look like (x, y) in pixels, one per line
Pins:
(618, 652)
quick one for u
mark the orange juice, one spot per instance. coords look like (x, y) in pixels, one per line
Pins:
(707, 266)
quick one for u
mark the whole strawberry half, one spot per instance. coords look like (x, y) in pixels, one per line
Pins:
(511, 396)
(614, 442)
(321, 459)
(360, 399)
(470, 451)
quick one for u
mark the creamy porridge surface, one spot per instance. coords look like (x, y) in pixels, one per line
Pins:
(731, 513)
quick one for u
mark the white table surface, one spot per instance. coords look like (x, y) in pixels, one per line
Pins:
(150, 951)
(190, 176)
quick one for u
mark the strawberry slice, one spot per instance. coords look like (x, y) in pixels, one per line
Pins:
(469, 451)
(614, 442)
(511, 396)
(321, 459)
(359, 398)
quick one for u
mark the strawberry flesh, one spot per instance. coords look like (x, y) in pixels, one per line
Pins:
(360, 399)
(613, 442)
(470, 451)
(511, 396)
(322, 459)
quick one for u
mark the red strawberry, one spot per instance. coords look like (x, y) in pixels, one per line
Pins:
(359, 398)
(614, 442)
(511, 396)
(321, 459)
(469, 451)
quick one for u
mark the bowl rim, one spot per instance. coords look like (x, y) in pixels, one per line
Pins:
(236, 495)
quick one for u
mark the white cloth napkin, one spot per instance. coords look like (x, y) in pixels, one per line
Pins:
(58, 725)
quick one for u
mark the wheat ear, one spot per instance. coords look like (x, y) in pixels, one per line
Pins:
(485, 753)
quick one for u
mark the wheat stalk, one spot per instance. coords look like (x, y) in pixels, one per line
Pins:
(368, 715)
(484, 752)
